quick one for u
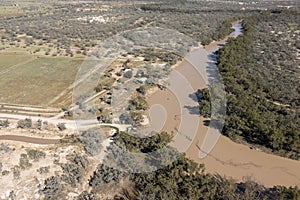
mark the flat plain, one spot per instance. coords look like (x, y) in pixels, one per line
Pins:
(35, 82)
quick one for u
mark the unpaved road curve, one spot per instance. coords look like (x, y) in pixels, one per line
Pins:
(33, 140)
(70, 124)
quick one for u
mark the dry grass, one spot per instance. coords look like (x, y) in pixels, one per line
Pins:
(39, 81)
(10, 59)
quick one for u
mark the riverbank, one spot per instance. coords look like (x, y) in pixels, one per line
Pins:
(227, 158)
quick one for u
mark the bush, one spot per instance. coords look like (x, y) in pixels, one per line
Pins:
(259, 71)
(5, 172)
(98, 88)
(35, 154)
(138, 103)
(26, 123)
(43, 170)
(125, 118)
(137, 117)
(104, 174)
(74, 169)
(104, 118)
(39, 124)
(61, 126)
(204, 102)
(16, 172)
(52, 187)
(142, 90)
(4, 123)
(24, 162)
(92, 141)
(86, 196)
(5, 148)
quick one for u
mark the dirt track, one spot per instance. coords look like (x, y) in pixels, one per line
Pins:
(33, 140)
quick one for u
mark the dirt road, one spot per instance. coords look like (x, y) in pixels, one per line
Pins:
(70, 124)
(33, 140)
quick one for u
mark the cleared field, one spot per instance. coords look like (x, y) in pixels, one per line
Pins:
(39, 81)
(9, 60)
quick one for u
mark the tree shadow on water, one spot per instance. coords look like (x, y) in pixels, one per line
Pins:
(196, 96)
(206, 122)
(193, 110)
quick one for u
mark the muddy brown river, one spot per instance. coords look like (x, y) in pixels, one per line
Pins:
(226, 157)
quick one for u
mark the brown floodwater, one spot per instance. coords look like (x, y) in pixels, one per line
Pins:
(226, 158)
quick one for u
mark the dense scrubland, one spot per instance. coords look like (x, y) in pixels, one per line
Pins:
(180, 179)
(260, 70)
(74, 29)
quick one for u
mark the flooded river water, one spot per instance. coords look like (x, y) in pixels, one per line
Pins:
(181, 116)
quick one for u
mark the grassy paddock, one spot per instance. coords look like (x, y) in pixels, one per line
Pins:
(39, 81)
(10, 59)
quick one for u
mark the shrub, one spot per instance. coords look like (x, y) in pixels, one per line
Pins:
(61, 126)
(43, 170)
(26, 123)
(52, 187)
(4, 123)
(74, 170)
(35, 154)
(24, 162)
(105, 174)
(92, 141)
(138, 103)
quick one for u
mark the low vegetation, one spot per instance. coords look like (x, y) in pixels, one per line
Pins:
(52, 188)
(138, 103)
(104, 175)
(74, 170)
(35, 155)
(4, 124)
(92, 141)
(26, 123)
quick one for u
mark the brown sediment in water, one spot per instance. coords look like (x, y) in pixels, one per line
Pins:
(169, 99)
(227, 158)
(166, 99)
(242, 163)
